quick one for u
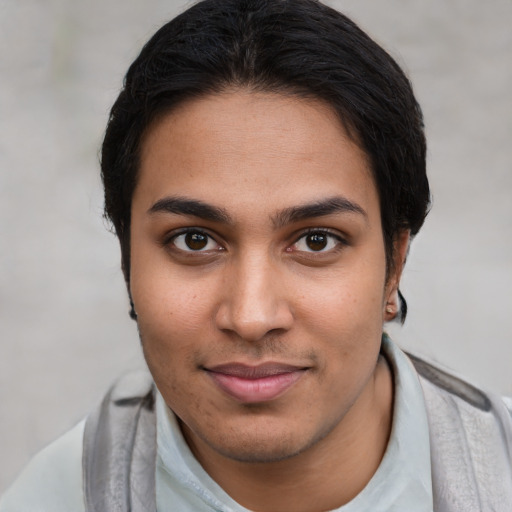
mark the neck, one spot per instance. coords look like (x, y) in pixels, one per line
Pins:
(325, 476)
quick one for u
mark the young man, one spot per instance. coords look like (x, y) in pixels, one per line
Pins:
(264, 169)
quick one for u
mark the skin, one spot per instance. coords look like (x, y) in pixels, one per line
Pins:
(259, 288)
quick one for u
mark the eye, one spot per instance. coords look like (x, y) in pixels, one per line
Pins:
(317, 241)
(194, 241)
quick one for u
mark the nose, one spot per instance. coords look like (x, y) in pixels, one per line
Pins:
(255, 301)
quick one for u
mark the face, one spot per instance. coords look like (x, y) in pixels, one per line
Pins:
(258, 272)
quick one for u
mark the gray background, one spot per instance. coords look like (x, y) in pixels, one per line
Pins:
(63, 310)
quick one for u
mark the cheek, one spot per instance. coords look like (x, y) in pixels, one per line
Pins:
(167, 298)
(351, 300)
(348, 317)
(172, 319)
(170, 325)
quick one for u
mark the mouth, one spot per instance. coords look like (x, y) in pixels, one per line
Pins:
(255, 384)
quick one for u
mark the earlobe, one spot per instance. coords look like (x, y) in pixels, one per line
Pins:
(392, 306)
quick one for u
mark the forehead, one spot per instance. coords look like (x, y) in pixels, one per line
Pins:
(245, 150)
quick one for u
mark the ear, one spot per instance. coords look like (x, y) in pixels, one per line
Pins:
(400, 250)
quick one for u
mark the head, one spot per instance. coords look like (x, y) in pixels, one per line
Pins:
(264, 167)
(298, 48)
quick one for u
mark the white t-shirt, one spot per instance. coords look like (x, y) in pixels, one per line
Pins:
(52, 482)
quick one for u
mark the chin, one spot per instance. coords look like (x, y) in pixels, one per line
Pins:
(266, 444)
(261, 451)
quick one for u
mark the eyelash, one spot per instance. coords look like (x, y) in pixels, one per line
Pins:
(171, 240)
(340, 241)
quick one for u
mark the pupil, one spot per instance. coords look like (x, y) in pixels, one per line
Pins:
(316, 241)
(196, 241)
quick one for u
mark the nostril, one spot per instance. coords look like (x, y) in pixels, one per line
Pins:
(254, 325)
(276, 332)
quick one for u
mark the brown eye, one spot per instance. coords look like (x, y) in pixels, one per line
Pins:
(196, 241)
(317, 241)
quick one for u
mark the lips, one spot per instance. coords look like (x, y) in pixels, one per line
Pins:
(255, 384)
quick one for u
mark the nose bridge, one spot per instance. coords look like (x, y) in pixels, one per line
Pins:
(255, 302)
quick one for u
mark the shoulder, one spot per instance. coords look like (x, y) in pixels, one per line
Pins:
(52, 481)
(508, 403)
(470, 442)
(448, 384)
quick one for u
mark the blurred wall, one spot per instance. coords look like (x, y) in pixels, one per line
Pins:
(63, 308)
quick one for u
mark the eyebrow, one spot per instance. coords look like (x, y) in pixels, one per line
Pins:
(185, 206)
(205, 211)
(329, 206)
